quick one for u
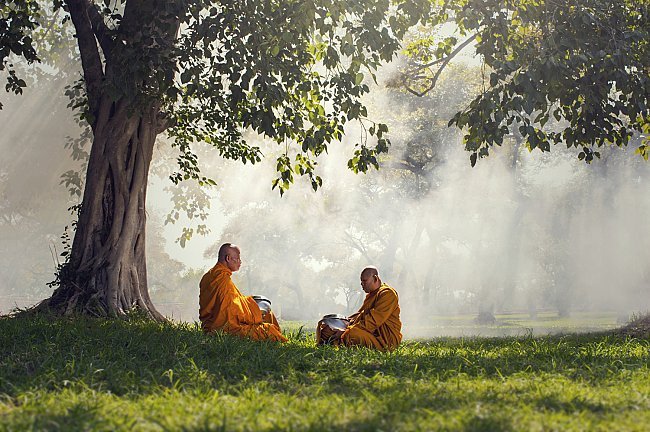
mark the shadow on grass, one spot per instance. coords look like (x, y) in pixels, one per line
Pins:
(78, 417)
(554, 403)
(136, 357)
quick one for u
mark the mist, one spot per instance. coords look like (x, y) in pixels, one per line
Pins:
(520, 232)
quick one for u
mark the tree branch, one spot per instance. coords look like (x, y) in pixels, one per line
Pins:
(358, 245)
(51, 24)
(405, 166)
(101, 30)
(432, 81)
(164, 122)
(90, 59)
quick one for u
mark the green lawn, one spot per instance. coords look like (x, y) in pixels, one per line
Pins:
(514, 324)
(117, 375)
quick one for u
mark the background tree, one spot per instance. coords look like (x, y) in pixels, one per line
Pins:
(35, 127)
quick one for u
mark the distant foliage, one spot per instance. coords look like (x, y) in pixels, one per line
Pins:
(18, 18)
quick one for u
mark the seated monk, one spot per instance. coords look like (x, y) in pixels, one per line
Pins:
(376, 324)
(223, 307)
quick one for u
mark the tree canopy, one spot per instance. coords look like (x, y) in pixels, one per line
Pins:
(293, 71)
(584, 63)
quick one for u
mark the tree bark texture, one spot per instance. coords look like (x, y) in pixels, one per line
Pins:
(106, 273)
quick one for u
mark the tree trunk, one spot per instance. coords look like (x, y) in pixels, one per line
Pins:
(106, 274)
(126, 72)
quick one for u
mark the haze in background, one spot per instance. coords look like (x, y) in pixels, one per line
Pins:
(520, 232)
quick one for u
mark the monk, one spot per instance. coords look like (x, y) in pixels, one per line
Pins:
(223, 307)
(376, 324)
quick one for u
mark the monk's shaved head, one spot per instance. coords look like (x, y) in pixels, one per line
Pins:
(229, 255)
(370, 280)
(226, 249)
(370, 271)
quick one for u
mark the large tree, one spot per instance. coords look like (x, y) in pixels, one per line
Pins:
(201, 71)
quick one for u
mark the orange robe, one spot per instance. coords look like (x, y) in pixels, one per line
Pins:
(223, 307)
(377, 324)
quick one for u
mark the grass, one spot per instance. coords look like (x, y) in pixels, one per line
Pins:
(82, 374)
(515, 324)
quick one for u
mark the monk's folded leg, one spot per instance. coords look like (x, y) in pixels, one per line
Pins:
(275, 333)
(270, 318)
(355, 336)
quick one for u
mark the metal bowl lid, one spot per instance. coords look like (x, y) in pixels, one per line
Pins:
(337, 323)
(259, 298)
(335, 316)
